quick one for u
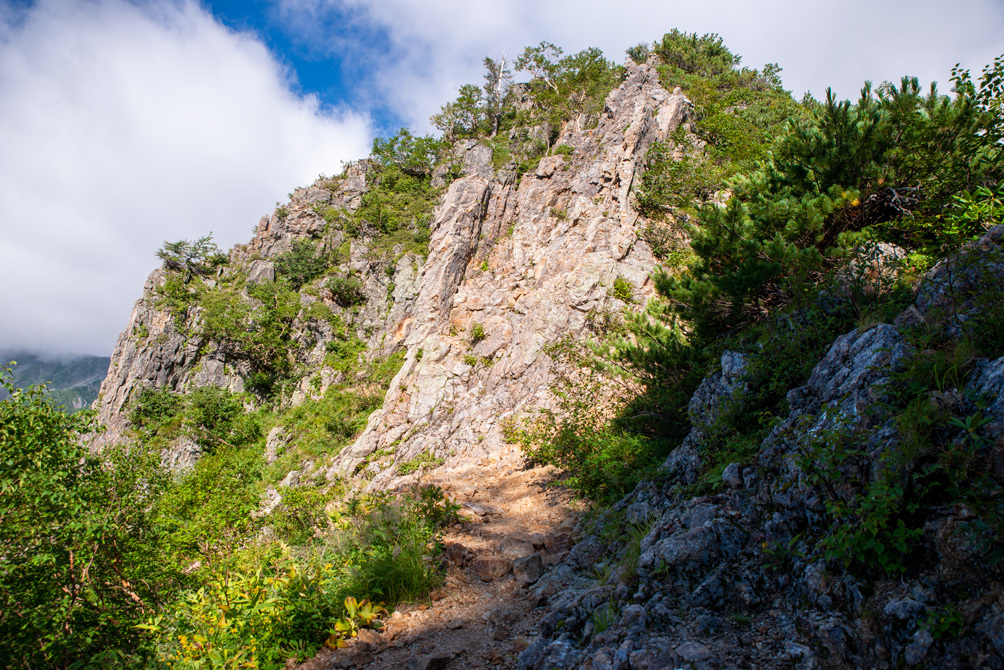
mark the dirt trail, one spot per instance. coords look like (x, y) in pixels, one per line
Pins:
(479, 618)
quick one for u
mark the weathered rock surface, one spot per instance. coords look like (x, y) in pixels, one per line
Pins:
(158, 350)
(529, 263)
(727, 580)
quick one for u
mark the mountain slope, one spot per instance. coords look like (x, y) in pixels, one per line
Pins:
(72, 383)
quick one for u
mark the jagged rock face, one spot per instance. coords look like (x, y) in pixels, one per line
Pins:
(529, 263)
(707, 592)
(156, 350)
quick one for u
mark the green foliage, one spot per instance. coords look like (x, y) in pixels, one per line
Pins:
(736, 113)
(343, 353)
(464, 117)
(191, 258)
(155, 408)
(176, 296)
(357, 615)
(320, 427)
(270, 604)
(347, 291)
(604, 462)
(400, 198)
(477, 333)
(207, 514)
(302, 263)
(421, 462)
(561, 89)
(569, 88)
(874, 170)
(215, 417)
(413, 155)
(79, 552)
(255, 327)
(622, 290)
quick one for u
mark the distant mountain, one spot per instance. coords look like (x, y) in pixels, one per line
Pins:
(72, 383)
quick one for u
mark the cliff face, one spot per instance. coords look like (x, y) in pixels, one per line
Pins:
(527, 265)
(511, 268)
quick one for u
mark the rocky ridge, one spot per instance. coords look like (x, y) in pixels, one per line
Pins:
(722, 580)
(732, 580)
(529, 263)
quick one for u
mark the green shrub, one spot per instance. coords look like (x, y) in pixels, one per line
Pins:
(852, 172)
(737, 111)
(191, 258)
(80, 561)
(155, 408)
(421, 462)
(255, 328)
(477, 333)
(302, 264)
(347, 291)
(603, 462)
(269, 604)
(622, 290)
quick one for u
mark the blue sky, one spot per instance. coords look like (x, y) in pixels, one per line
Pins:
(125, 123)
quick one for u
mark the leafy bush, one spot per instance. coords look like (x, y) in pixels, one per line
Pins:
(286, 604)
(257, 329)
(347, 291)
(80, 561)
(155, 408)
(622, 290)
(399, 199)
(422, 461)
(302, 264)
(603, 461)
(851, 172)
(736, 113)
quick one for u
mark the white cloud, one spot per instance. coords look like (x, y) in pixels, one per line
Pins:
(123, 126)
(436, 45)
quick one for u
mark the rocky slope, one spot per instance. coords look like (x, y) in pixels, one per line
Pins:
(525, 263)
(735, 579)
(665, 578)
(71, 382)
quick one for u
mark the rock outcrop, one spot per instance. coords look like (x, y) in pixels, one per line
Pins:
(530, 263)
(732, 579)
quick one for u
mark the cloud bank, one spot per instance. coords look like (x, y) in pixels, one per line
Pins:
(123, 126)
(420, 52)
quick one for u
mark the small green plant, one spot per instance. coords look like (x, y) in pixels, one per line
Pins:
(622, 290)
(421, 462)
(563, 150)
(477, 333)
(484, 266)
(362, 614)
(559, 213)
(603, 616)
